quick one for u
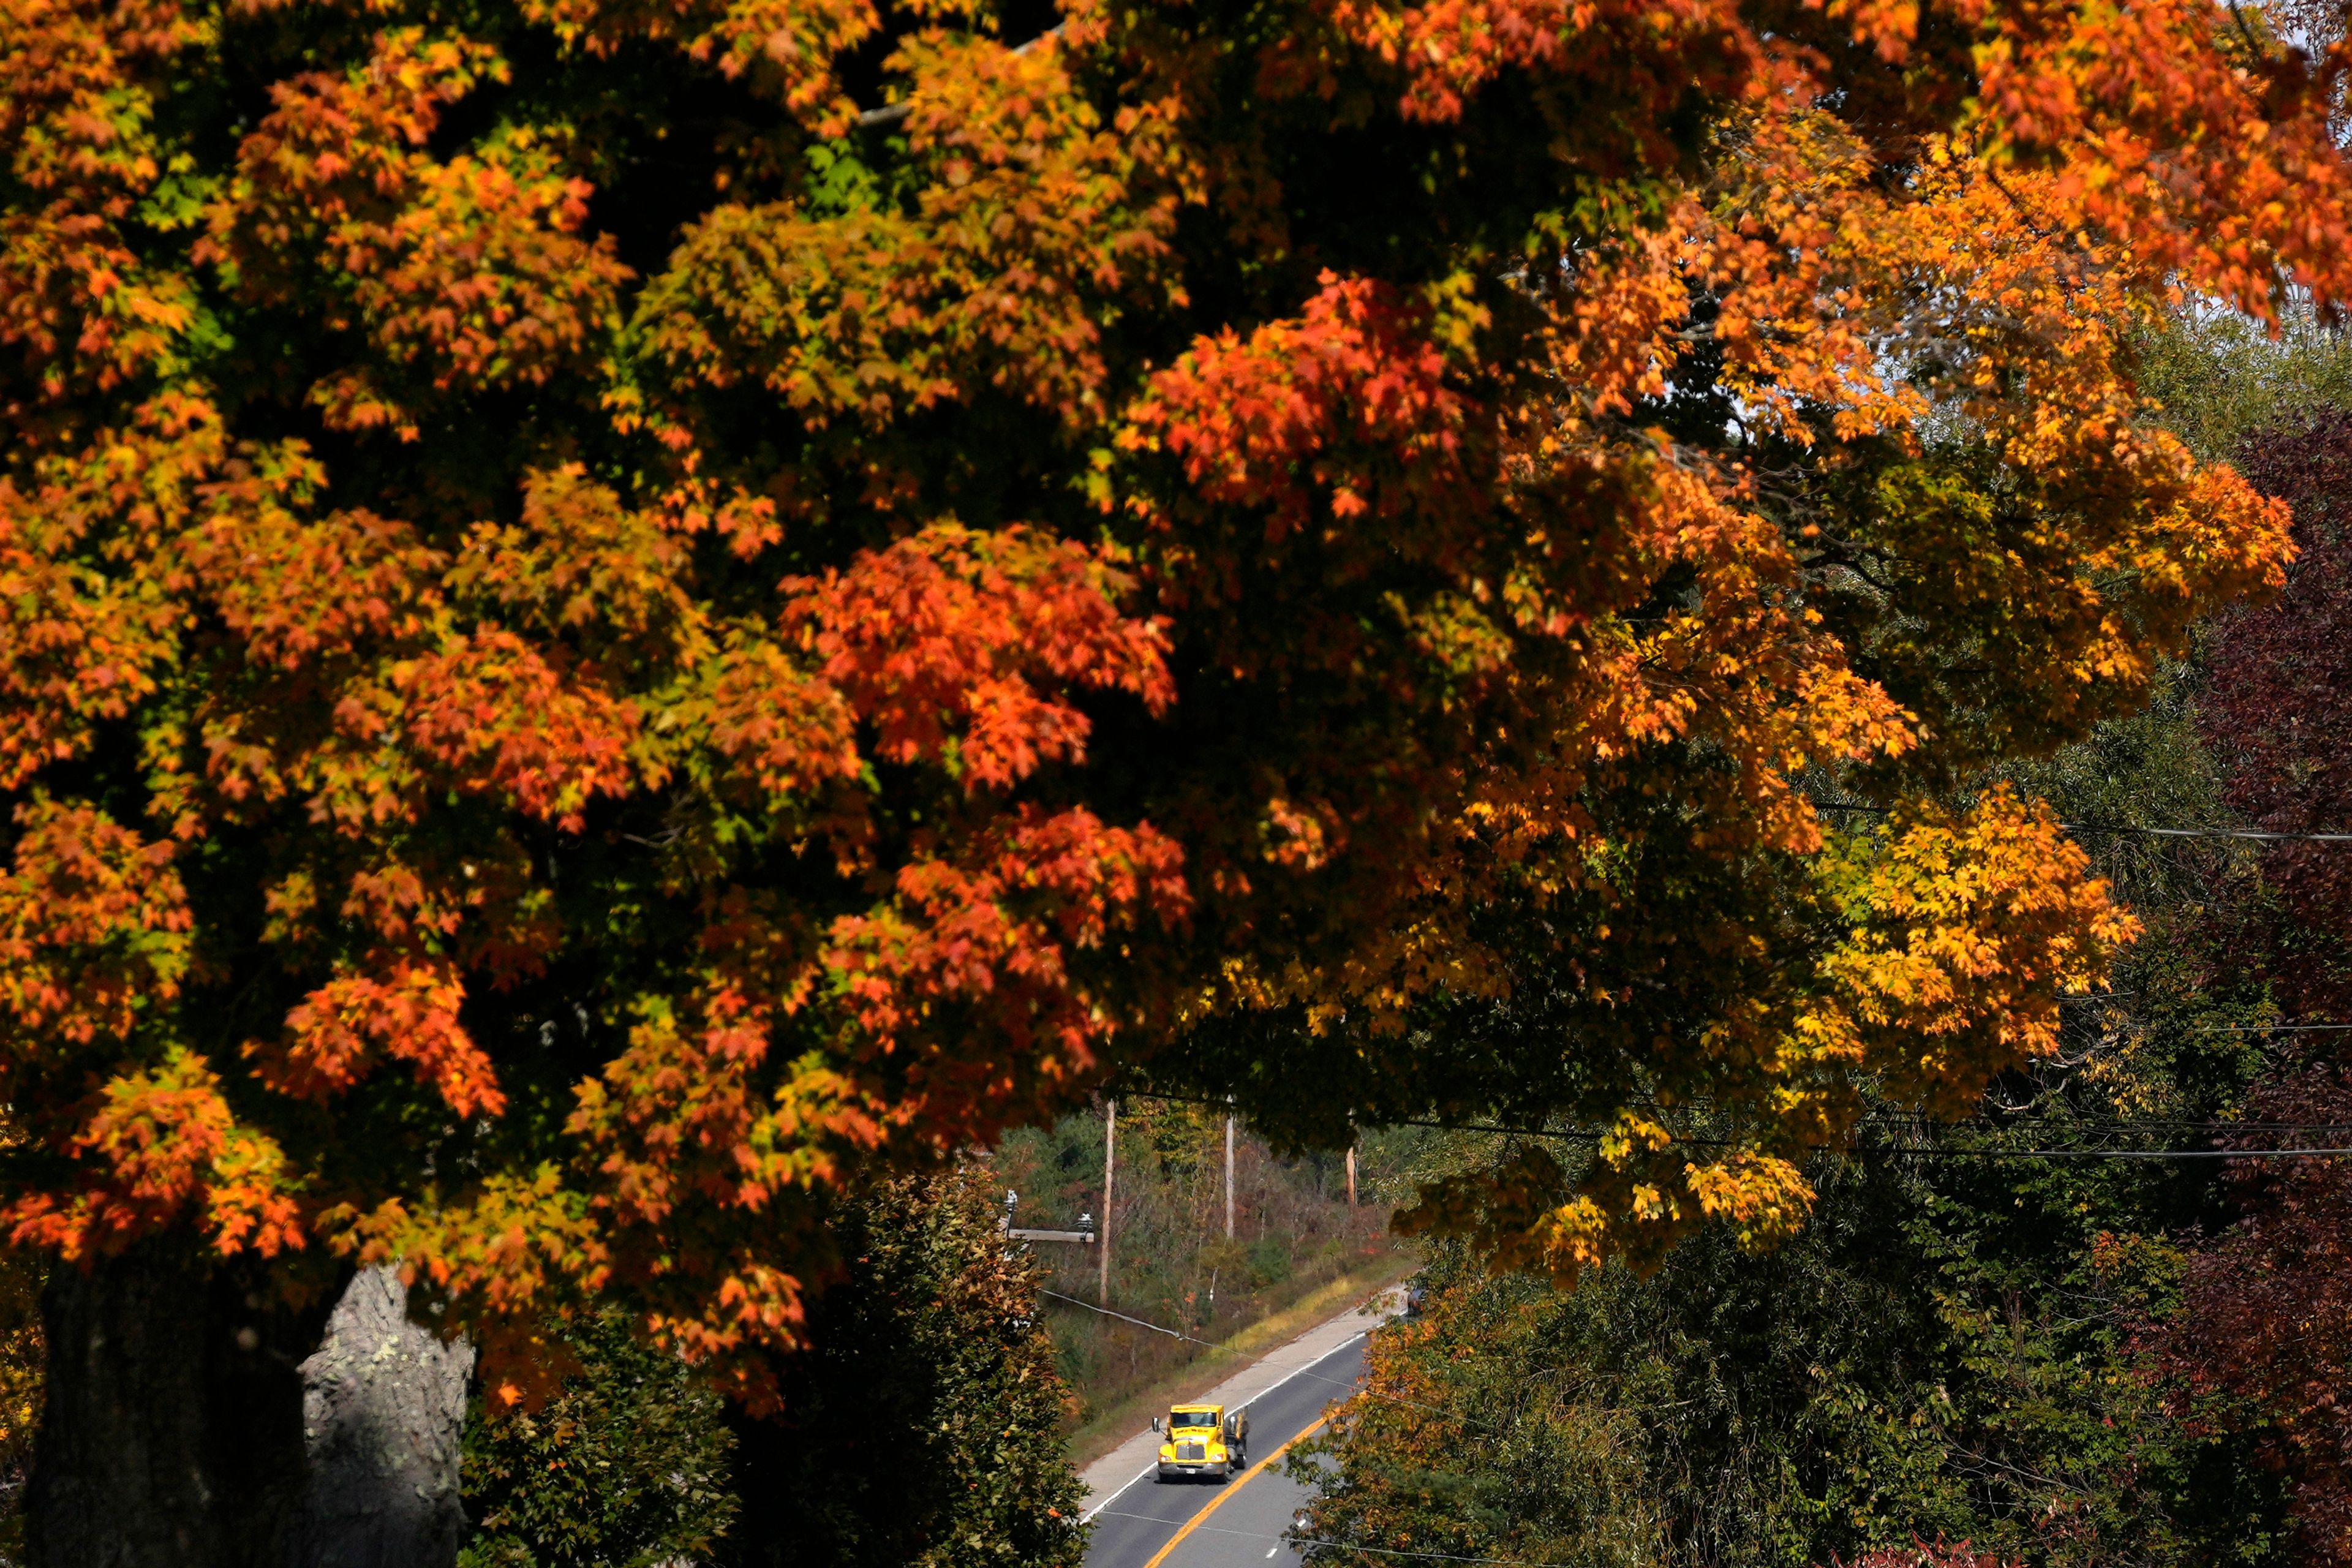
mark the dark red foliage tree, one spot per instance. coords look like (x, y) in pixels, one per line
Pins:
(2277, 715)
(2264, 1337)
(2263, 1341)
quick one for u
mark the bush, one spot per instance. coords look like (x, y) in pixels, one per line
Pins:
(627, 1468)
(1939, 1555)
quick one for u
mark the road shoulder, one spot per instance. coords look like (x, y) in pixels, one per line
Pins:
(1132, 1459)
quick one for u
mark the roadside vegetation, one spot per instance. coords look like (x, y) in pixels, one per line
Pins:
(1294, 1234)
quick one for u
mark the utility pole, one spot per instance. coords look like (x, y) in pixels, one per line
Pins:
(1110, 1168)
(1229, 1175)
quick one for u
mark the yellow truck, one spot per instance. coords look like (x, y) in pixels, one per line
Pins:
(1202, 1440)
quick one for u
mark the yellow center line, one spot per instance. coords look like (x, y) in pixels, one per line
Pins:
(1226, 1496)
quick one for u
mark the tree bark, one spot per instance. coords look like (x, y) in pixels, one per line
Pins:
(171, 1436)
(383, 1411)
(194, 1422)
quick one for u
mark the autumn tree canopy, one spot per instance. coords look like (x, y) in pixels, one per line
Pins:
(616, 607)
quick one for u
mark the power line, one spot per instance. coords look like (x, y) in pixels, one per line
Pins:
(1580, 1135)
(2210, 833)
(2281, 1029)
(2133, 1124)
(2218, 1029)
(1571, 1135)
(1139, 1322)
(2124, 828)
(2002, 1120)
(2130, 1154)
(2286, 1129)
(1228, 1350)
(1896, 1150)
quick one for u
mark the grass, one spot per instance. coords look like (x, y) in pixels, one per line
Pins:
(1112, 1425)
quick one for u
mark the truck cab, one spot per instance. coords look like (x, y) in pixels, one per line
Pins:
(1202, 1440)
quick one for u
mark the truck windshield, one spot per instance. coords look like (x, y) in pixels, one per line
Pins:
(1191, 1418)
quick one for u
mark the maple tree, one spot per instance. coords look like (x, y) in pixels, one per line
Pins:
(1958, 1344)
(1953, 1348)
(598, 637)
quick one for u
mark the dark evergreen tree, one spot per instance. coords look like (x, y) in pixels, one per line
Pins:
(922, 1428)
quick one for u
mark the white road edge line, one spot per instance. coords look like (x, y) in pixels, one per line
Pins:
(1087, 1517)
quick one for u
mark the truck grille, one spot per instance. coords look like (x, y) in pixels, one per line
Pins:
(1195, 1452)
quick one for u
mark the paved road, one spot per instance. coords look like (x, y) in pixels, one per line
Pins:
(1244, 1528)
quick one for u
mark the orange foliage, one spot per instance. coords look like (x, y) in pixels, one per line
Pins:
(936, 631)
(670, 646)
(96, 925)
(466, 269)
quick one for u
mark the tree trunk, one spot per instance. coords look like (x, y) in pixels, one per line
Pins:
(171, 1436)
(190, 1423)
(384, 1408)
